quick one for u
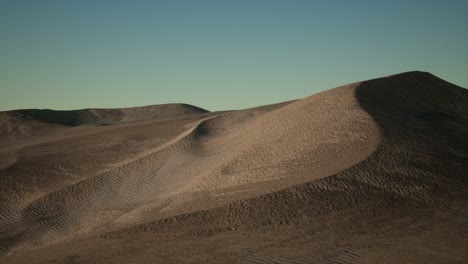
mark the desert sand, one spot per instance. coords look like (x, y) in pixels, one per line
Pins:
(370, 172)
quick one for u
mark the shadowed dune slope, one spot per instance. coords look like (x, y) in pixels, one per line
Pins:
(371, 172)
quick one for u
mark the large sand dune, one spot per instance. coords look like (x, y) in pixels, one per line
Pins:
(370, 172)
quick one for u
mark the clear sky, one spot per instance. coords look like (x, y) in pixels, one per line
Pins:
(217, 54)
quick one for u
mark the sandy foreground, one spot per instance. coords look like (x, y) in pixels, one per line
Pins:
(370, 172)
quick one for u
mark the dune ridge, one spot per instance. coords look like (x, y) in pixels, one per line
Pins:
(375, 165)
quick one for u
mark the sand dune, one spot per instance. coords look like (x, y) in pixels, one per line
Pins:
(17, 123)
(370, 172)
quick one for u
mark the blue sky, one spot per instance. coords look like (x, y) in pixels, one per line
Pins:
(217, 54)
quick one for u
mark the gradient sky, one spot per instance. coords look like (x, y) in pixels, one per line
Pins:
(217, 54)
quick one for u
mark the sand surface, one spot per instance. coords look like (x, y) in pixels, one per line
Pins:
(370, 172)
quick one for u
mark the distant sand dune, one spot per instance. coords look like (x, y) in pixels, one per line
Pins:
(371, 172)
(32, 121)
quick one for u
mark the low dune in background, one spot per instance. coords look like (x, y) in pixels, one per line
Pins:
(370, 172)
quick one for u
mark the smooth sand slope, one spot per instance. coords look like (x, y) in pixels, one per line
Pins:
(371, 172)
